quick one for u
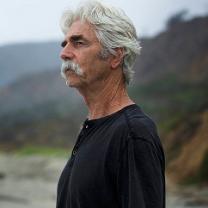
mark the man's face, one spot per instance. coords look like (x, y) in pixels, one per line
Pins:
(83, 48)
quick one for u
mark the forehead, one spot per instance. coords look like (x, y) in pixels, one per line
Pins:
(82, 28)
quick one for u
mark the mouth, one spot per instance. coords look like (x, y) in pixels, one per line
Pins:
(67, 69)
(69, 72)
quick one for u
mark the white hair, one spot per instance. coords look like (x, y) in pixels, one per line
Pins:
(112, 28)
(70, 65)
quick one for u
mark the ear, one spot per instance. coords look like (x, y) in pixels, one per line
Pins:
(117, 59)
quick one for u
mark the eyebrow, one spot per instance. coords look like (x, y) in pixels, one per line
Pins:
(74, 38)
(77, 37)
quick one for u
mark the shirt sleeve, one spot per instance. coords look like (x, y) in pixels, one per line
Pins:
(140, 178)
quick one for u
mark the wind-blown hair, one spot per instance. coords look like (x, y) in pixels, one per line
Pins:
(112, 28)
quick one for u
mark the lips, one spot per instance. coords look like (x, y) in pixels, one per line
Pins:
(66, 69)
(69, 71)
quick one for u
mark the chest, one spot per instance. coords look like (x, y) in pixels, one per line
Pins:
(88, 164)
(92, 166)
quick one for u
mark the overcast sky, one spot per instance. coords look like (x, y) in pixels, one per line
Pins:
(38, 20)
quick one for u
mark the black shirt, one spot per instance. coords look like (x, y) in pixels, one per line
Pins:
(117, 162)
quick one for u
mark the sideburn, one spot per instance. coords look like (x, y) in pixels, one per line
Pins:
(103, 54)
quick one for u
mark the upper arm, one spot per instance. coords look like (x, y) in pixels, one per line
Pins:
(140, 179)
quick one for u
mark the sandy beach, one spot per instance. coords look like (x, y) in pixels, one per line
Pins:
(30, 182)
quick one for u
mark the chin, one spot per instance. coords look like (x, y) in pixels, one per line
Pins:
(73, 83)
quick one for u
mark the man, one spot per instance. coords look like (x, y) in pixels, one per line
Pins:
(118, 160)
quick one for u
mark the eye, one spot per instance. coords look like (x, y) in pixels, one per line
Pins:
(79, 43)
(63, 44)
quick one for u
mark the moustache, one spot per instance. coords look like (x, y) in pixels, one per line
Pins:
(70, 66)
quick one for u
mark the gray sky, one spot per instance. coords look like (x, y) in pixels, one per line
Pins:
(38, 20)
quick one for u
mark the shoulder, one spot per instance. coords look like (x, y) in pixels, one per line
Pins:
(134, 121)
(143, 133)
(135, 133)
(137, 126)
(140, 124)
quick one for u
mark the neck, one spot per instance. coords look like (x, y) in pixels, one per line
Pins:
(111, 96)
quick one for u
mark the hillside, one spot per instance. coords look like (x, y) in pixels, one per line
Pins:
(39, 109)
(191, 153)
(18, 60)
(35, 90)
(180, 50)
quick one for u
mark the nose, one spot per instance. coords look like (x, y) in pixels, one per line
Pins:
(66, 53)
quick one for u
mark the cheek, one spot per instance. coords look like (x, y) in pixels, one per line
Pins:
(91, 62)
(87, 65)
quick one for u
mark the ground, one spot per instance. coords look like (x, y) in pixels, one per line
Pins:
(31, 182)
